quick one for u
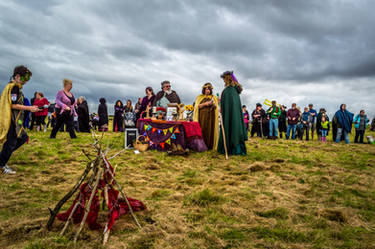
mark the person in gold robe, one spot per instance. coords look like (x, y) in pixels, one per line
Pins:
(206, 112)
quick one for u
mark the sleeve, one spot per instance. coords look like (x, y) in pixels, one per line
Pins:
(59, 102)
(14, 94)
(178, 99)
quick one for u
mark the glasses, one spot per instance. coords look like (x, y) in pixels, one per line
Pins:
(167, 86)
(25, 78)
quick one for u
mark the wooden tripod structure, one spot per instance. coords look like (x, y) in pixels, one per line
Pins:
(100, 169)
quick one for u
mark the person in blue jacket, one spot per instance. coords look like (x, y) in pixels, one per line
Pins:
(313, 114)
(360, 124)
(344, 121)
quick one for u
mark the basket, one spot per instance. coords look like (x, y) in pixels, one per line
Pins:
(139, 145)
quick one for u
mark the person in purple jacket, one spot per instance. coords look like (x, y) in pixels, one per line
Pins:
(65, 109)
(147, 101)
(292, 116)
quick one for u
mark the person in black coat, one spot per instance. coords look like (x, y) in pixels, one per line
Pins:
(118, 118)
(83, 115)
(282, 121)
(103, 115)
(32, 114)
(373, 124)
(259, 117)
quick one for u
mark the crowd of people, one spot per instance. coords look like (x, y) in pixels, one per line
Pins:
(72, 114)
(296, 124)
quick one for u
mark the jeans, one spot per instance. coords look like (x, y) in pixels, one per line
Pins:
(274, 125)
(324, 133)
(340, 131)
(307, 129)
(12, 143)
(293, 128)
(359, 134)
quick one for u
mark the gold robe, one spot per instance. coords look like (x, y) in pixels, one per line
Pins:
(6, 110)
(198, 101)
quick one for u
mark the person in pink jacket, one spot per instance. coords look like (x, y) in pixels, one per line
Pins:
(65, 109)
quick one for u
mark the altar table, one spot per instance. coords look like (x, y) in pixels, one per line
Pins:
(161, 134)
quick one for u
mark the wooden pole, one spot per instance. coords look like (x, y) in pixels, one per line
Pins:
(122, 193)
(56, 210)
(71, 215)
(88, 206)
(224, 139)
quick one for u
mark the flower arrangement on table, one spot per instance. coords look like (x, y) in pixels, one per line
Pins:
(189, 112)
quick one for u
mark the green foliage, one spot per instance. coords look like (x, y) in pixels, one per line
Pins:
(205, 198)
(278, 213)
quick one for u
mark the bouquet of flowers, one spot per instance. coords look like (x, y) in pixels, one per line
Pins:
(189, 112)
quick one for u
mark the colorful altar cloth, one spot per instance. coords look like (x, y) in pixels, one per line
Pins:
(162, 134)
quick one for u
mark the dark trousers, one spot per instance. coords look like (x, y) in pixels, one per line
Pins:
(61, 119)
(32, 121)
(307, 129)
(359, 134)
(51, 121)
(12, 144)
(40, 120)
(256, 129)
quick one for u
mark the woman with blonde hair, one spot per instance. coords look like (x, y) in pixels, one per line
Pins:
(65, 109)
(206, 112)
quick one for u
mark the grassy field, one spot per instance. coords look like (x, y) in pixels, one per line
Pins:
(283, 194)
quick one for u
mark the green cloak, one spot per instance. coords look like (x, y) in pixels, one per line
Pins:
(234, 124)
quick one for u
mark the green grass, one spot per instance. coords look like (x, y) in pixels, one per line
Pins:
(283, 194)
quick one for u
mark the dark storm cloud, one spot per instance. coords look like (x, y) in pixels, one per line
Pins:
(296, 50)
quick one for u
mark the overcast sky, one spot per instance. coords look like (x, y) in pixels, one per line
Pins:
(321, 52)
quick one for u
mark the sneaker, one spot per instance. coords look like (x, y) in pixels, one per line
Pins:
(8, 171)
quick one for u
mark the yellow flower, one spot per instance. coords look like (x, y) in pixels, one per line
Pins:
(189, 108)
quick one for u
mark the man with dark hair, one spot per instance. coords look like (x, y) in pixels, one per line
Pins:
(292, 115)
(259, 116)
(166, 95)
(12, 133)
(274, 113)
(313, 114)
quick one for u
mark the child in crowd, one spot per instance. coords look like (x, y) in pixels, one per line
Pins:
(325, 128)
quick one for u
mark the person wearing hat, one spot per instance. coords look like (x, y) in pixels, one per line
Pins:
(232, 118)
(166, 96)
(259, 116)
(12, 133)
(206, 112)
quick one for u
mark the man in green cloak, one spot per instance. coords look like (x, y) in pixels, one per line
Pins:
(233, 124)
